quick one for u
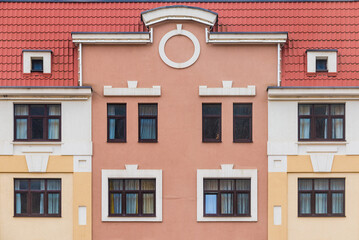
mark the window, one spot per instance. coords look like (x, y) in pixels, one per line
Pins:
(227, 197)
(147, 122)
(37, 197)
(242, 122)
(37, 122)
(211, 122)
(321, 197)
(132, 197)
(322, 60)
(36, 65)
(321, 65)
(116, 122)
(321, 122)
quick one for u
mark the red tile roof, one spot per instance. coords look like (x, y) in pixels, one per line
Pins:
(311, 25)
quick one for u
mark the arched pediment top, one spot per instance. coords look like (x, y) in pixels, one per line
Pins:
(179, 12)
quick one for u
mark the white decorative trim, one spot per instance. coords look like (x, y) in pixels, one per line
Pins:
(277, 215)
(322, 162)
(277, 163)
(179, 31)
(132, 90)
(113, 38)
(227, 171)
(44, 91)
(44, 55)
(227, 90)
(320, 93)
(246, 38)
(331, 57)
(37, 162)
(131, 171)
(82, 163)
(161, 14)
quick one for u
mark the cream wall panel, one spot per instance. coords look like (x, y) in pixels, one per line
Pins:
(6, 130)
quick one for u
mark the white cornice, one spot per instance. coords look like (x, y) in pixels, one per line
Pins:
(132, 90)
(179, 13)
(43, 93)
(246, 38)
(313, 93)
(227, 90)
(113, 38)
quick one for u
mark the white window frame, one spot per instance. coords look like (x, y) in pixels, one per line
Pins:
(131, 171)
(45, 55)
(226, 172)
(330, 55)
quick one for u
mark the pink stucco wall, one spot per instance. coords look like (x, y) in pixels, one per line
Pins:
(180, 151)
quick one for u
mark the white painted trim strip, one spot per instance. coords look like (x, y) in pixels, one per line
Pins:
(227, 90)
(247, 38)
(112, 38)
(28, 91)
(302, 93)
(132, 90)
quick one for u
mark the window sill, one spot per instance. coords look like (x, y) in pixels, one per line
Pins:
(322, 143)
(29, 216)
(36, 143)
(132, 219)
(321, 216)
(227, 219)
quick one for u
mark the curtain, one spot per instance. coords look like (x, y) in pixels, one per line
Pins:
(337, 184)
(148, 110)
(304, 203)
(148, 184)
(243, 203)
(54, 128)
(226, 203)
(18, 203)
(54, 110)
(132, 203)
(304, 109)
(112, 127)
(304, 128)
(116, 203)
(115, 184)
(243, 184)
(21, 128)
(210, 204)
(148, 203)
(337, 128)
(321, 184)
(21, 110)
(337, 203)
(148, 128)
(321, 203)
(305, 184)
(53, 203)
(226, 184)
(337, 109)
(132, 185)
(210, 184)
(53, 185)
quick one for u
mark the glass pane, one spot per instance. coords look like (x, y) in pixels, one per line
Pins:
(304, 128)
(211, 109)
(118, 110)
(212, 128)
(321, 64)
(148, 184)
(210, 204)
(227, 203)
(243, 184)
(242, 128)
(321, 203)
(242, 109)
(305, 184)
(337, 128)
(21, 184)
(147, 109)
(337, 184)
(242, 203)
(37, 203)
(337, 203)
(321, 109)
(38, 110)
(36, 65)
(148, 129)
(132, 203)
(116, 128)
(21, 110)
(54, 129)
(304, 203)
(54, 110)
(132, 184)
(115, 184)
(37, 184)
(21, 128)
(37, 128)
(321, 128)
(304, 109)
(148, 203)
(53, 204)
(226, 184)
(321, 184)
(21, 203)
(54, 185)
(337, 109)
(210, 184)
(116, 203)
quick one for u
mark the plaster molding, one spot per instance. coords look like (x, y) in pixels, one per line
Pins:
(179, 31)
(227, 171)
(227, 90)
(301, 94)
(277, 163)
(132, 90)
(37, 162)
(112, 38)
(82, 163)
(21, 93)
(322, 162)
(331, 57)
(45, 55)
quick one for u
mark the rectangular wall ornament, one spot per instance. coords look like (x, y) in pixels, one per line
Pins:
(132, 90)
(227, 90)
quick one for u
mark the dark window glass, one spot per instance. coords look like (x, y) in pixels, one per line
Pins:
(321, 65)
(322, 197)
(132, 197)
(242, 122)
(37, 122)
(321, 122)
(227, 197)
(31, 196)
(116, 122)
(147, 122)
(211, 122)
(37, 65)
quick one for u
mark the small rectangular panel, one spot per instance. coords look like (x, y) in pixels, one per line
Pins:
(277, 214)
(82, 215)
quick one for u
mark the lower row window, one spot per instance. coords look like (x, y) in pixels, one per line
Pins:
(321, 197)
(37, 197)
(132, 197)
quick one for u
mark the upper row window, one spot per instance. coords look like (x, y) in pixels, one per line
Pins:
(321, 122)
(37, 122)
(37, 61)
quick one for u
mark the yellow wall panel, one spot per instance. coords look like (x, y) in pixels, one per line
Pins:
(60, 164)
(300, 163)
(13, 164)
(345, 164)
